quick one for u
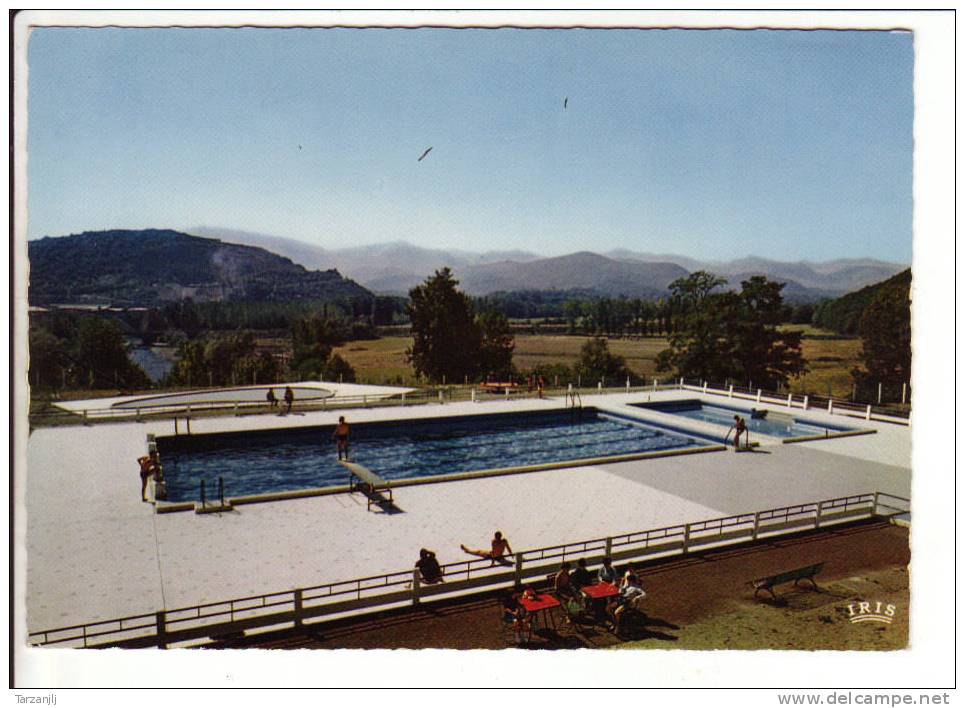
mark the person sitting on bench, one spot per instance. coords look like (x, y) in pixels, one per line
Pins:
(630, 590)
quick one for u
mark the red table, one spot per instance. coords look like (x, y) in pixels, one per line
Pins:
(597, 595)
(541, 605)
(600, 591)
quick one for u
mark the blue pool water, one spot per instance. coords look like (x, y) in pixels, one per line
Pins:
(274, 461)
(778, 426)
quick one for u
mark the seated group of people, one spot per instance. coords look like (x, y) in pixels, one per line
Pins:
(567, 586)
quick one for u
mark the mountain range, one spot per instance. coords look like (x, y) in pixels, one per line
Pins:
(396, 267)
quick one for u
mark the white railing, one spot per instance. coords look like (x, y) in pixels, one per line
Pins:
(293, 607)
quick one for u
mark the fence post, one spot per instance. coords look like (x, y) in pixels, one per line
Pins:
(904, 389)
(161, 630)
(175, 425)
(757, 525)
(85, 417)
(187, 422)
(518, 574)
(507, 392)
(628, 384)
(298, 607)
(867, 413)
(403, 399)
(830, 405)
(758, 395)
(705, 387)
(608, 547)
(681, 382)
(874, 509)
(686, 538)
(236, 409)
(817, 515)
(365, 401)
(730, 391)
(805, 404)
(654, 385)
(789, 398)
(415, 586)
(879, 393)
(473, 395)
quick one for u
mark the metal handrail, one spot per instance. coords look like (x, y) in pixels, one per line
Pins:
(680, 536)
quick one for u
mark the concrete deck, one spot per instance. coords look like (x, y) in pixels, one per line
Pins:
(95, 551)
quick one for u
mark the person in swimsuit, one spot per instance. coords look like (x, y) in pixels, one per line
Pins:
(340, 436)
(289, 398)
(148, 465)
(740, 427)
(500, 548)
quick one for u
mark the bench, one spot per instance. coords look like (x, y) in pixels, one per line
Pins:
(768, 583)
(366, 481)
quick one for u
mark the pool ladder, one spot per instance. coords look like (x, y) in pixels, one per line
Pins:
(575, 403)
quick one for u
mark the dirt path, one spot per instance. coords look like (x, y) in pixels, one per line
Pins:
(701, 601)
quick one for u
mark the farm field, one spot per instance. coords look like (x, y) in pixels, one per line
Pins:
(382, 361)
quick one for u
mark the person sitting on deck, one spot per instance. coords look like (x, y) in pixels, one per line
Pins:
(270, 397)
(500, 548)
(581, 577)
(607, 573)
(429, 567)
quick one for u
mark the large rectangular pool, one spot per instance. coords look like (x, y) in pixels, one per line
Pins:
(259, 462)
(778, 425)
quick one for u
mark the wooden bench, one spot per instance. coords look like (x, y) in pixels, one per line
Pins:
(366, 481)
(768, 583)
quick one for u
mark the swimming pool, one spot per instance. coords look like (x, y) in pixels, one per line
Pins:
(260, 462)
(778, 425)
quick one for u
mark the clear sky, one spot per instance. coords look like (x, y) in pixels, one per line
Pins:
(714, 144)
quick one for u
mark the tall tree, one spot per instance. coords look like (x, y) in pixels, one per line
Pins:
(885, 329)
(446, 339)
(496, 352)
(597, 363)
(724, 335)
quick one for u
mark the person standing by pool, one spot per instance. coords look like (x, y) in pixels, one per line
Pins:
(340, 436)
(148, 465)
(270, 397)
(498, 551)
(740, 427)
(289, 398)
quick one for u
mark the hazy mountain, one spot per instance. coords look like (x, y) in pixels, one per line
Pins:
(393, 267)
(152, 266)
(813, 279)
(584, 270)
(396, 267)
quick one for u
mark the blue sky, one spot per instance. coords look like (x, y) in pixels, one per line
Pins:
(715, 144)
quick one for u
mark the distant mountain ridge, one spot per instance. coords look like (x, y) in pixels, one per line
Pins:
(397, 266)
(153, 266)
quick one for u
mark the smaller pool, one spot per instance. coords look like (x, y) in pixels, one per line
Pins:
(774, 424)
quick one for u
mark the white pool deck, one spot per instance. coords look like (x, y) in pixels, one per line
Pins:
(95, 551)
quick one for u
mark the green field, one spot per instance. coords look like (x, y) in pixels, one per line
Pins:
(382, 361)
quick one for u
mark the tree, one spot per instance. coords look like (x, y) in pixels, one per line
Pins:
(100, 356)
(446, 338)
(717, 336)
(597, 363)
(885, 329)
(496, 351)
